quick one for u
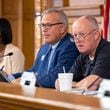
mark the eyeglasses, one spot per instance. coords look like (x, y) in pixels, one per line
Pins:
(82, 35)
(48, 25)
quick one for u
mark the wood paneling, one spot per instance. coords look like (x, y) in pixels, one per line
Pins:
(0, 8)
(28, 31)
(45, 4)
(80, 10)
(10, 12)
(85, 2)
(21, 15)
(65, 3)
(77, 10)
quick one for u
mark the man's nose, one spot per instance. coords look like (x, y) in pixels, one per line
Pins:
(44, 29)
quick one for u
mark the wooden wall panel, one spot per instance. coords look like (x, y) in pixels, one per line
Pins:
(10, 11)
(0, 8)
(85, 2)
(10, 8)
(28, 31)
(74, 12)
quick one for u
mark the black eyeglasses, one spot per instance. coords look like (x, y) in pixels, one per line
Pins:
(82, 35)
(48, 25)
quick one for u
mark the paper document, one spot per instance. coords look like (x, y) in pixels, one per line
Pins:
(82, 91)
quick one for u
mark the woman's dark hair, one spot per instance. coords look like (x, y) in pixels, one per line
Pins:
(5, 31)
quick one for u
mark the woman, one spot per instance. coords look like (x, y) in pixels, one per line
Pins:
(11, 57)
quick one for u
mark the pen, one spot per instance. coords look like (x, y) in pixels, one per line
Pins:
(93, 82)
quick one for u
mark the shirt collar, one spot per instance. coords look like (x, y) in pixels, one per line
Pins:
(55, 45)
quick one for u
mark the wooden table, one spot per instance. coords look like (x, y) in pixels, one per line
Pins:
(15, 97)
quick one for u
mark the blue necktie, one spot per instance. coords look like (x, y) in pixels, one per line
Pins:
(50, 58)
(47, 60)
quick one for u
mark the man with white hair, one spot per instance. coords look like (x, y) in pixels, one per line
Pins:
(59, 49)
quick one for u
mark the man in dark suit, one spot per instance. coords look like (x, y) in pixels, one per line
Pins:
(59, 49)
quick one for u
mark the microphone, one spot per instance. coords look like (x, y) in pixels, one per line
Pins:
(8, 54)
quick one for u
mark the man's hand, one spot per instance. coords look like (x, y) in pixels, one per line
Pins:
(91, 82)
(57, 86)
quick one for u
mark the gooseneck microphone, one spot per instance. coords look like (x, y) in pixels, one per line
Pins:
(8, 54)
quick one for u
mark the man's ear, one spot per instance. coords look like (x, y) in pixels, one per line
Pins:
(96, 34)
(63, 28)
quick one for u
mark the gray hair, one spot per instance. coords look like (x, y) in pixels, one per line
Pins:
(93, 21)
(62, 16)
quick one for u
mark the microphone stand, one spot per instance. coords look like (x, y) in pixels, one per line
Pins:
(10, 64)
(9, 54)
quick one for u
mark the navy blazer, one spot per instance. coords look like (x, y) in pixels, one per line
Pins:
(64, 55)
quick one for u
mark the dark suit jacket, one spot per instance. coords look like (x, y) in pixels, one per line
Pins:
(64, 55)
